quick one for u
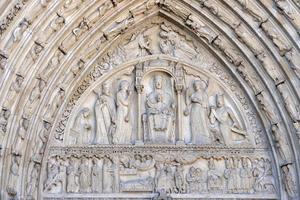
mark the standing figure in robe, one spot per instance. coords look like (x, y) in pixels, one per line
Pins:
(197, 107)
(81, 130)
(123, 122)
(105, 110)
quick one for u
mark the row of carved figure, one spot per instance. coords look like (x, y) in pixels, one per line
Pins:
(144, 174)
(208, 123)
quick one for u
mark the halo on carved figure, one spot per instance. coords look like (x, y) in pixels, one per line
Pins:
(268, 180)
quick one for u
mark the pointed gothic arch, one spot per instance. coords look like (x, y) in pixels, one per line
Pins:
(54, 53)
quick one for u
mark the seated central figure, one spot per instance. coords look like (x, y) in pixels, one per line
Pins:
(160, 114)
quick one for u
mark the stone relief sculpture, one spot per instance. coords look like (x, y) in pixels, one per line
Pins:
(81, 131)
(17, 34)
(72, 176)
(289, 180)
(161, 128)
(21, 136)
(123, 132)
(227, 122)
(160, 113)
(197, 108)
(106, 114)
(105, 174)
(4, 116)
(14, 89)
(280, 143)
(34, 97)
(13, 175)
(55, 102)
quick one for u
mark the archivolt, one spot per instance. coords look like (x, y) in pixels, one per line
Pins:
(258, 42)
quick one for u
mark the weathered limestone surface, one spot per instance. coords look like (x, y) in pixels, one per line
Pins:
(149, 99)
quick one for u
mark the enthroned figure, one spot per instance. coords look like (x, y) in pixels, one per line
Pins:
(160, 114)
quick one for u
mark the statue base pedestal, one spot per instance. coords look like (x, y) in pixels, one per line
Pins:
(139, 143)
(180, 143)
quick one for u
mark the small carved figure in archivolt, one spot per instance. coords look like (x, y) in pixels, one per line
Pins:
(4, 116)
(105, 110)
(21, 136)
(13, 92)
(197, 108)
(55, 102)
(123, 121)
(289, 180)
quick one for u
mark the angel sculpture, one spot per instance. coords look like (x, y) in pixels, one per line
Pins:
(197, 108)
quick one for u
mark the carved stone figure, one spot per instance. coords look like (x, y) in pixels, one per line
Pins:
(40, 143)
(263, 176)
(266, 106)
(246, 176)
(3, 62)
(54, 104)
(81, 131)
(230, 52)
(195, 180)
(289, 102)
(32, 184)
(108, 176)
(200, 28)
(34, 97)
(197, 107)
(17, 34)
(85, 176)
(105, 110)
(14, 90)
(13, 175)
(77, 32)
(294, 58)
(48, 71)
(228, 124)
(56, 175)
(278, 40)
(72, 176)
(180, 181)
(72, 72)
(54, 26)
(289, 180)
(4, 116)
(97, 175)
(281, 143)
(35, 52)
(270, 66)
(21, 136)
(220, 12)
(124, 128)
(214, 180)
(254, 10)
(230, 176)
(120, 26)
(165, 179)
(160, 114)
